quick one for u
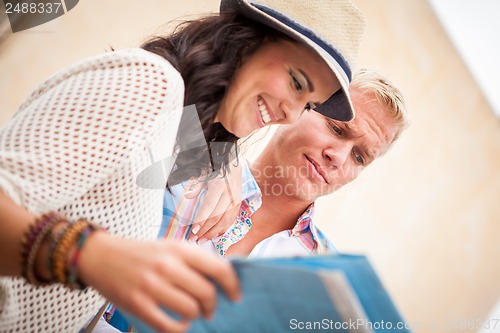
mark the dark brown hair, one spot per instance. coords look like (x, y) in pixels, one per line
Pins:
(207, 52)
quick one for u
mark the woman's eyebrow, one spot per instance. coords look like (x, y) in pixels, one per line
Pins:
(308, 81)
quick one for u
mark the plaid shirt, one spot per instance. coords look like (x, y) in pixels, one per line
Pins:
(305, 238)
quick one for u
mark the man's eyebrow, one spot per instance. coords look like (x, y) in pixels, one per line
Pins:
(352, 131)
(369, 153)
(310, 86)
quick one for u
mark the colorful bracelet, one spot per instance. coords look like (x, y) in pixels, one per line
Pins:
(32, 241)
(63, 247)
(72, 239)
(73, 281)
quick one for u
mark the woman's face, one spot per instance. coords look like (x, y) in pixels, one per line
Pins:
(274, 86)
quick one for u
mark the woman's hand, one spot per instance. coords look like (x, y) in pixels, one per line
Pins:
(220, 206)
(139, 277)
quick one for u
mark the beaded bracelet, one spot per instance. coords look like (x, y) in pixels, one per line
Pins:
(73, 281)
(32, 241)
(54, 240)
(61, 242)
(63, 247)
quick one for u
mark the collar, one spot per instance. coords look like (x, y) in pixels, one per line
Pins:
(251, 196)
(305, 222)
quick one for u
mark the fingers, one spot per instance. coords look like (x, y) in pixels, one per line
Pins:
(202, 232)
(218, 270)
(205, 221)
(151, 313)
(217, 225)
(208, 207)
(213, 213)
(171, 296)
(212, 218)
(166, 274)
(188, 286)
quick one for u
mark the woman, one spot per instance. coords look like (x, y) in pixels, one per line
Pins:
(79, 142)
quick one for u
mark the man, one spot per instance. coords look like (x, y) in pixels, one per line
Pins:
(311, 158)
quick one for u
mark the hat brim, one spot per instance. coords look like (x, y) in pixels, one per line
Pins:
(339, 105)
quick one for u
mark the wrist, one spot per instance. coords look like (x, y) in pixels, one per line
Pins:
(42, 262)
(91, 252)
(51, 250)
(33, 240)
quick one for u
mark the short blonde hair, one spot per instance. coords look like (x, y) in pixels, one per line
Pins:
(370, 81)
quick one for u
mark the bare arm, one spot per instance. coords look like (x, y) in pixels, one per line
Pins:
(136, 276)
(81, 150)
(14, 221)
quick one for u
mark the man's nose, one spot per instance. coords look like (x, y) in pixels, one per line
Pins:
(338, 155)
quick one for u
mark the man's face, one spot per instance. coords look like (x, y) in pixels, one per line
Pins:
(316, 155)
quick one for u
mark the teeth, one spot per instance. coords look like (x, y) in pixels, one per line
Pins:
(263, 111)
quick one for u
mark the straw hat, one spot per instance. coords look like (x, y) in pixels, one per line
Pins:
(332, 28)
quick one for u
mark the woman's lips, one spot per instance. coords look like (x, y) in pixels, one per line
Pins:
(265, 112)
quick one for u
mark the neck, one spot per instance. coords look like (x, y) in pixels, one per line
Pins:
(282, 210)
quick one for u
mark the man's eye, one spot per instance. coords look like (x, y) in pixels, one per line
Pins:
(337, 129)
(309, 107)
(360, 159)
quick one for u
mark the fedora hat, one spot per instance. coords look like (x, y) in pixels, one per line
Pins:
(332, 28)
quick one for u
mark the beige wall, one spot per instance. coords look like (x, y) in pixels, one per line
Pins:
(427, 214)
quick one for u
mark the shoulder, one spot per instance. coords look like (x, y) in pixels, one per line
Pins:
(136, 59)
(134, 71)
(132, 59)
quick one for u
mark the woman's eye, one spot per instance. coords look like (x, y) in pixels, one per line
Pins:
(296, 83)
(360, 159)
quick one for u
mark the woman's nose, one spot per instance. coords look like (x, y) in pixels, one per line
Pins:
(292, 111)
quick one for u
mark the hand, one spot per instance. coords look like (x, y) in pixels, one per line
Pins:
(220, 207)
(139, 277)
